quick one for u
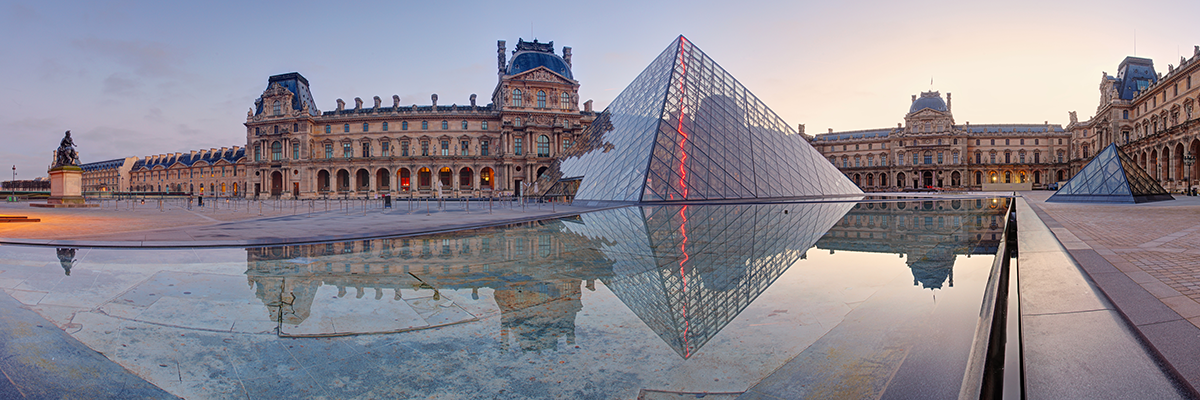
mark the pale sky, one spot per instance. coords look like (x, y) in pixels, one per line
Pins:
(137, 78)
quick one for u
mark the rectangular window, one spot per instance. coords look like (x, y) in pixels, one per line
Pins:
(856, 162)
(1037, 158)
(296, 151)
(366, 149)
(404, 149)
(1022, 141)
(425, 148)
(385, 149)
(1008, 158)
(445, 147)
(900, 160)
(347, 151)
(328, 150)
(464, 125)
(424, 125)
(916, 158)
(939, 157)
(483, 125)
(928, 158)
(366, 128)
(483, 147)
(517, 142)
(257, 153)
(993, 158)
(954, 158)
(566, 144)
(328, 129)
(385, 126)
(464, 146)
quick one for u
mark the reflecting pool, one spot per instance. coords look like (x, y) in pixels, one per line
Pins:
(871, 299)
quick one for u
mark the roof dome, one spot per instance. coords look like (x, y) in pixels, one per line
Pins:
(530, 55)
(931, 100)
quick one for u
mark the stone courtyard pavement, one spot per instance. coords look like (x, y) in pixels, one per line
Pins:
(1155, 244)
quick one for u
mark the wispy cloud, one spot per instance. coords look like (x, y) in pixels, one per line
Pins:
(144, 58)
(117, 85)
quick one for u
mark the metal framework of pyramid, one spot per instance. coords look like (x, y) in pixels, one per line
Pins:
(685, 129)
(1111, 177)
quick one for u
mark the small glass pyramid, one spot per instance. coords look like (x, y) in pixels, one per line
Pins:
(685, 129)
(1111, 177)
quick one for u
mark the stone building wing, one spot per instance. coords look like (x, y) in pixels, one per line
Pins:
(1111, 177)
(686, 129)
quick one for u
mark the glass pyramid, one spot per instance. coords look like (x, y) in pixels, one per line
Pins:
(687, 271)
(1111, 177)
(685, 129)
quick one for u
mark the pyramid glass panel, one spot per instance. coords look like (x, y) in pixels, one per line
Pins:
(1111, 177)
(685, 129)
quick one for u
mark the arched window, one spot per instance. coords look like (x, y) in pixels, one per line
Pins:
(276, 151)
(276, 109)
(543, 146)
(541, 99)
(516, 98)
(564, 101)
(444, 177)
(424, 178)
(978, 178)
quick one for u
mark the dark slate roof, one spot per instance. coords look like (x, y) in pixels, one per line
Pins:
(295, 83)
(410, 109)
(102, 165)
(188, 159)
(530, 55)
(1010, 128)
(931, 100)
(1135, 74)
(864, 134)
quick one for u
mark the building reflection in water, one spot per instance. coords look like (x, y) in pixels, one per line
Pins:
(685, 271)
(930, 233)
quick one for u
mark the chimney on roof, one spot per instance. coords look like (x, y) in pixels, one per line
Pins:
(830, 130)
(567, 55)
(224, 149)
(193, 153)
(914, 98)
(587, 106)
(947, 101)
(501, 58)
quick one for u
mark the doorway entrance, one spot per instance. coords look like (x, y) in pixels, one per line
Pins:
(276, 183)
(928, 178)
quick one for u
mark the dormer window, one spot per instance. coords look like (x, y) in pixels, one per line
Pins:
(541, 99)
(276, 109)
(565, 101)
(516, 97)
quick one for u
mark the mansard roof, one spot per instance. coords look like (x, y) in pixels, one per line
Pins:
(101, 165)
(1135, 74)
(410, 109)
(863, 134)
(530, 55)
(295, 83)
(232, 155)
(1010, 128)
(930, 100)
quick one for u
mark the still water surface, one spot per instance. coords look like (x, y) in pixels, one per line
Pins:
(872, 299)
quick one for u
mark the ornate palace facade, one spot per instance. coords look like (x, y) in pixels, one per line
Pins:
(295, 150)
(1150, 115)
(930, 150)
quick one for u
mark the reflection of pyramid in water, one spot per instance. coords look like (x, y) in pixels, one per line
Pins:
(1111, 177)
(688, 271)
(687, 130)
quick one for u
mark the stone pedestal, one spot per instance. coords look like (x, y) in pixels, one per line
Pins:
(66, 188)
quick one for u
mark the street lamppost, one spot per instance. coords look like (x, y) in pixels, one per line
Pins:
(13, 184)
(1188, 160)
